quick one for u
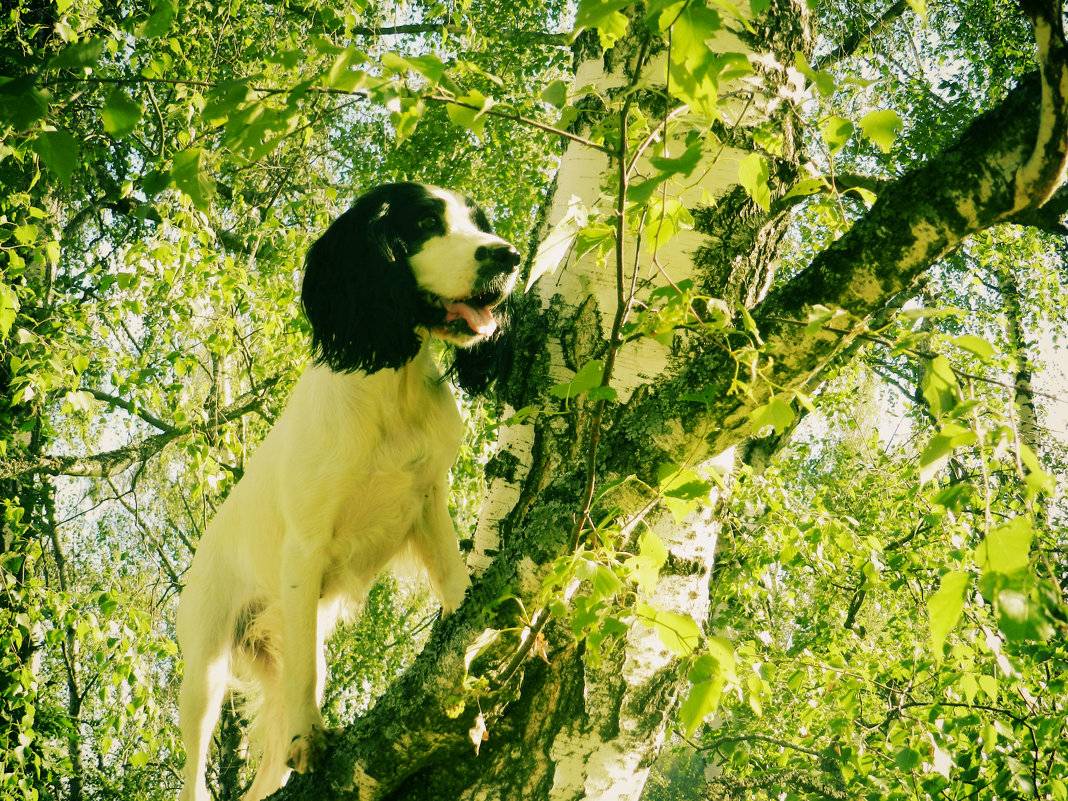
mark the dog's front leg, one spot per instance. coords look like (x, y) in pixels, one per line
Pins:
(437, 548)
(302, 581)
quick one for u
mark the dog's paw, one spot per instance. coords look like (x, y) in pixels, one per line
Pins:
(452, 595)
(307, 750)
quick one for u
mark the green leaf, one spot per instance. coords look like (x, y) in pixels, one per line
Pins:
(684, 164)
(611, 29)
(481, 643)
(920, 7)
(836, 132)
(776, 413)
(906, 758)
(26, 234)
(605, 16)
(645, 567)
(1022, 614)
(603, 393)
(159, 21)
(189, 175)
(120, 114)
(753, 176)
(140, 759)
(881, 127)
(806, 187)
(555, 94)
(735, 11)
(679, 633)
(224, 99)
(590, 13)
(710, 672)
(557, 244)
(605, 582)
(822, 80)
(21, 104)
(702, 701)
(939, 385)
(59, 151)
(944, 608)
(429, 66)
(471, 114)
(681, 482)
(706, 395)
(80, 55)
(585, 379)
(1006, 548)
(694, 70)
(594, 236)
(755, 687)
(341, 77)
(942, 444)
(973, 344)
(9, 307)
(989, 685)
(683, 490)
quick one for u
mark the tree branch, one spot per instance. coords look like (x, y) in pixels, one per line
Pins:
(129, 406)
(111, 463)
(1044, 171)
(852, 43)
(723, 787)
(839, 184)
(541, 37)
(917, 220)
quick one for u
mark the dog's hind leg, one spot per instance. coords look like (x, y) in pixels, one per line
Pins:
(268, 729)
(207, 675)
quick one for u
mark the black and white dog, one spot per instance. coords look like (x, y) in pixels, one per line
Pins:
(353, 473)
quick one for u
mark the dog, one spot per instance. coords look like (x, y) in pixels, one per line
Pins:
(353, 474)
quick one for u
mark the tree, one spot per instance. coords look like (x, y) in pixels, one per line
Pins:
(709, 148)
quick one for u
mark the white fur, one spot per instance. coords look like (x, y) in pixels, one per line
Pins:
(354, 471)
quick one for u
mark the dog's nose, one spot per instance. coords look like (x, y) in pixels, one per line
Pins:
(504, 257)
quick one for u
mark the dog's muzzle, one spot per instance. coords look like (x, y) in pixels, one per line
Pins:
(498, 269)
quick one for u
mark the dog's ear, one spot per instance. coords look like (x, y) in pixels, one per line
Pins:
(475, 369)
(359, 293)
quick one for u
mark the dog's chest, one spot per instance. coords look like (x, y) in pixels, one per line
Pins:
(401, 458)
(420, 437)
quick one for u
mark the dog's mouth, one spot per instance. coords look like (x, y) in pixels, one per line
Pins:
(475, 312)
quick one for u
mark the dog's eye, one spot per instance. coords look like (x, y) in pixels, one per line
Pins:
(428, 223)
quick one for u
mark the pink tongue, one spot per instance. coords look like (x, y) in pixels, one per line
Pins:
(478, 320)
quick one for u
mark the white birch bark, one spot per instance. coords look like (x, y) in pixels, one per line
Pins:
(586, 762)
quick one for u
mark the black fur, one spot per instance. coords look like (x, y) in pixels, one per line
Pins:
(361, 297)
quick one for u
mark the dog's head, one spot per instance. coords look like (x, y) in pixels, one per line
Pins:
(404, 261)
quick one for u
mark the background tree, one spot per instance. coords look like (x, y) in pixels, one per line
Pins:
(754, 226)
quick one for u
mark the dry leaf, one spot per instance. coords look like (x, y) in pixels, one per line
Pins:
(478, 733)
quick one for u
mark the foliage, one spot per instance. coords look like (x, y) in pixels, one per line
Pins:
(875, 660)
(888, 614)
